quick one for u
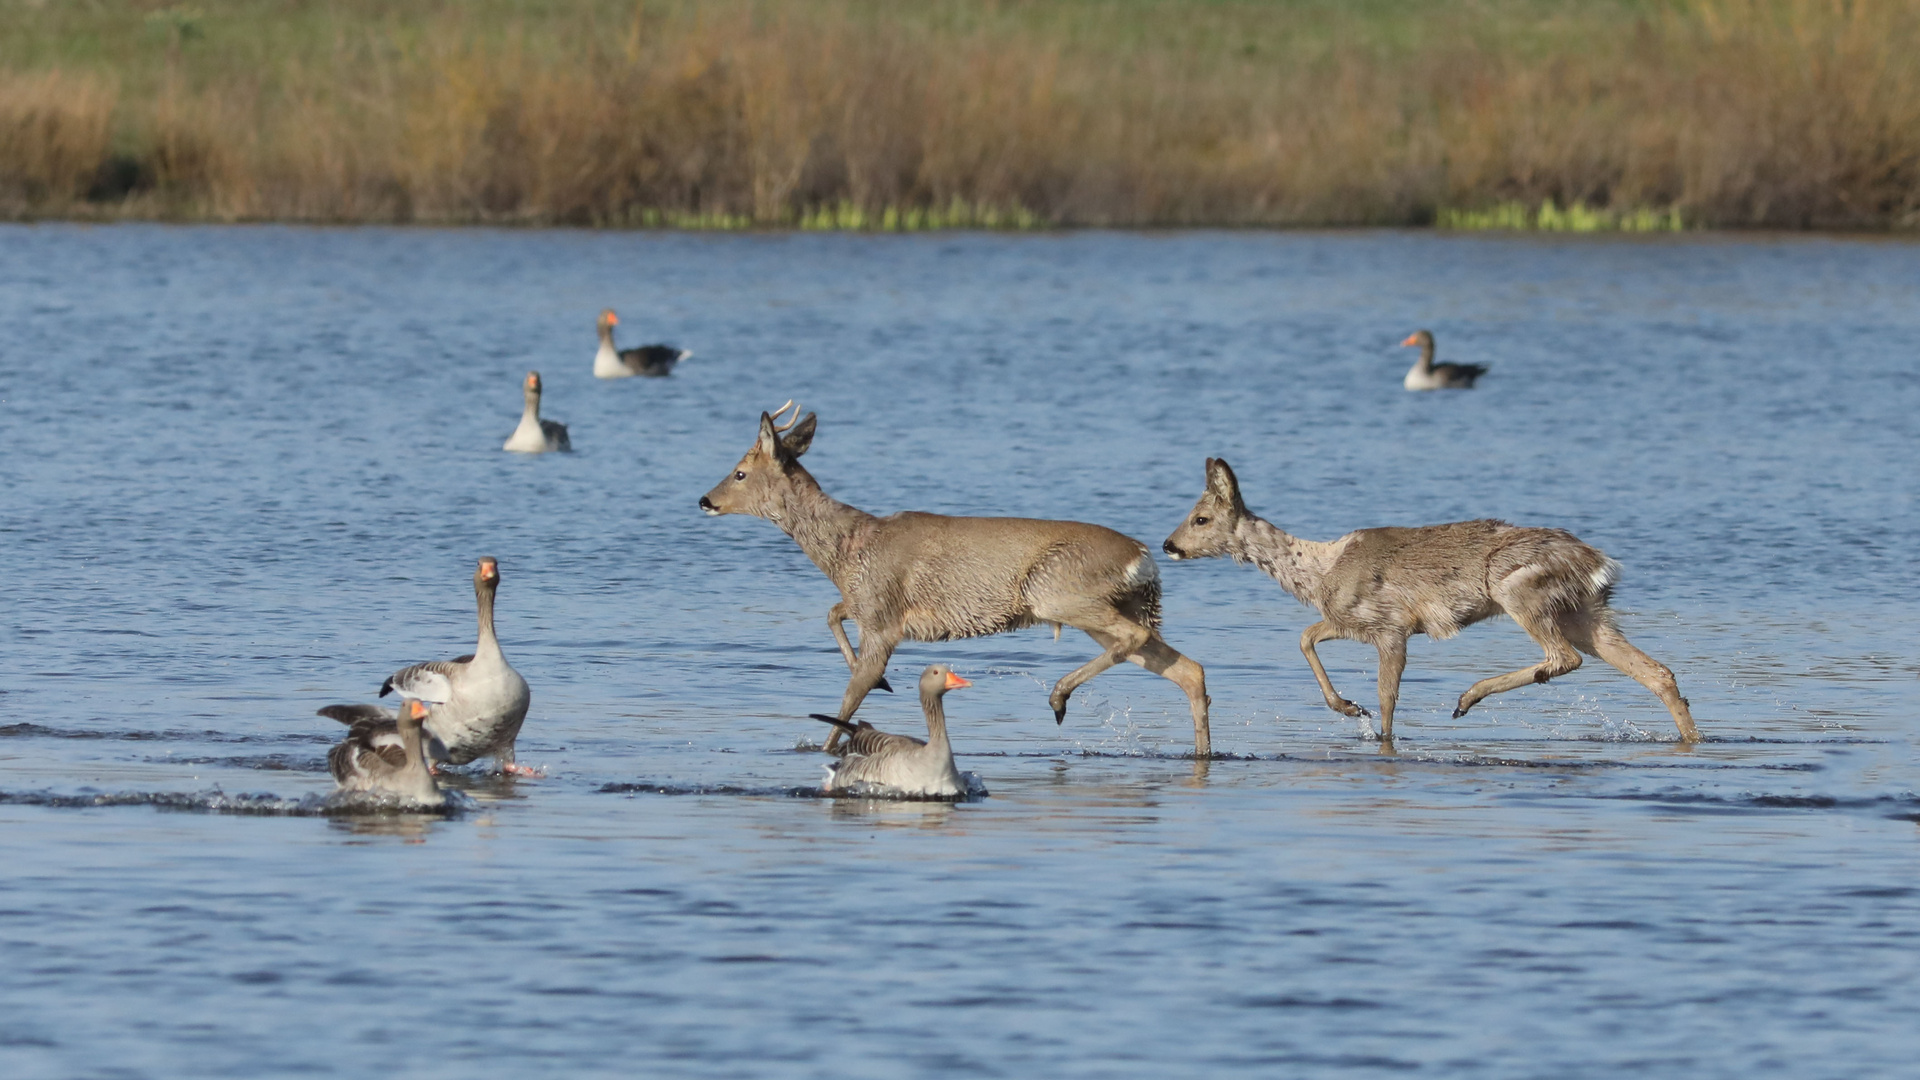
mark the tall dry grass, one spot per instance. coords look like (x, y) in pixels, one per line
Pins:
(1735, 112)
(53, 137)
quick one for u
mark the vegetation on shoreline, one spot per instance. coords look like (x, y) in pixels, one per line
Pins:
(859, 114)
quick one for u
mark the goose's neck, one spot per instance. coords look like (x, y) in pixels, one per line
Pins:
(936, 711)
(411, 742)
(532, 411)
(489, 645)
(1425, 364)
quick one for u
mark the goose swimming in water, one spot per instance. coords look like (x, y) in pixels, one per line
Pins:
(1427, 375)
(384, 752)
(902, 764)
(534, 435)
(654, 361)
(479, 701)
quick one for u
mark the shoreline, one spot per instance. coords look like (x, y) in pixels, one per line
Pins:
(858, 115)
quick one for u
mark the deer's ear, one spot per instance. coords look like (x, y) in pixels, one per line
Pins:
(797, 441)
(769, 439)
(1221, 482)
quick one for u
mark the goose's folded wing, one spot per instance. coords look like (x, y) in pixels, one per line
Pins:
(652, 357)
(871, 741)
(431, 682)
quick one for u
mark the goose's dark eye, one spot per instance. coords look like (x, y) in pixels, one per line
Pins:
(741, 475)
(1200, 521)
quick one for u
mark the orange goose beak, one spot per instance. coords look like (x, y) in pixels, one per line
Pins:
(955, 682)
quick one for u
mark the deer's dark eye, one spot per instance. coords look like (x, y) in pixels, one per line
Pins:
(741, 475)
(1200, 521)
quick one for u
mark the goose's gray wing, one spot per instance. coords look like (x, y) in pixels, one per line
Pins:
(872, 742)
(556, 434)
(655, 360)
(353, 714)
(430, 682)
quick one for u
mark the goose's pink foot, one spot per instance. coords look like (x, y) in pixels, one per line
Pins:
(521, 770)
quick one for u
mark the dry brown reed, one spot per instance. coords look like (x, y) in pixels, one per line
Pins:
(1734, 112)
(53, 137)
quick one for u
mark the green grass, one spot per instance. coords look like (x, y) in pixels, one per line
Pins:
(1547, 217)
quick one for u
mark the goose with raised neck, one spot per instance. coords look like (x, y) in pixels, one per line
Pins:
(534, 435)
(479, 701)
(652, 361)
(877, 762)
(1427, 375)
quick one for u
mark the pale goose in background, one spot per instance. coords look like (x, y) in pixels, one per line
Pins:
(384, 752)
(901, 764)
(534, 435)
(1427, 375)
(651, 360)
(479, 701)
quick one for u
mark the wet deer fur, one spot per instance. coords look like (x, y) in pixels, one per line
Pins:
(929, 577)
(1380, 586)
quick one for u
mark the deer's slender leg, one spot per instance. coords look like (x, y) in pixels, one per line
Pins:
(1393, 661)
(1117, 637)
(1163, 659)
(1314, 635)
(836, 619)
(876, 649)
(1153, 654)
(1561, 658)
(1605, 641)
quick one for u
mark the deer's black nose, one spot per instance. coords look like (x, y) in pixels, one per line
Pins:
(1170, 549)
(707, 504)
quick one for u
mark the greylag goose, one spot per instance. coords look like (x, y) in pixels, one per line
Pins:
(1427, 375)
(534, 435)
(479, 701)
(902, 764)
(384, 752)
(650, 360)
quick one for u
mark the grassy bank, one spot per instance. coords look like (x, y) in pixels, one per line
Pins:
(868, 114)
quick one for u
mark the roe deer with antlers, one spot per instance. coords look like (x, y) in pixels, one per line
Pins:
(934, 578)
(1380, 586)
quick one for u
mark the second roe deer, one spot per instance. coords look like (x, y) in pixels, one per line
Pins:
(1381, 586)
(929, 577)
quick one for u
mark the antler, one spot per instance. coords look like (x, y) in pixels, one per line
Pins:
(780, 428)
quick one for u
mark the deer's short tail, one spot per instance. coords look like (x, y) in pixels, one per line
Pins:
(1140, 591)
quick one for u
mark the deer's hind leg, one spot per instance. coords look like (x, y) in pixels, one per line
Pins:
(1595, 633)
(1561, 658)
(1118, 638)
(1154, 654)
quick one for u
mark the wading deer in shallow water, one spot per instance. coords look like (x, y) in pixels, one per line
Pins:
(928, 577)
(1381, 586)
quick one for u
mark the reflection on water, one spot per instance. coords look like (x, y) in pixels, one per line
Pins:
(250, 469)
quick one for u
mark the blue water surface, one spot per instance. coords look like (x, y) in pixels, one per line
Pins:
(247, 472)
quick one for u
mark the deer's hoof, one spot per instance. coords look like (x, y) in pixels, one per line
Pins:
(1059, 717)
(883, 684)
(1458, 713)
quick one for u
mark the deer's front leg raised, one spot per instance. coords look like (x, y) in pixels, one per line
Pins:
(869, 671)
(836, 621)
(1314, 635)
